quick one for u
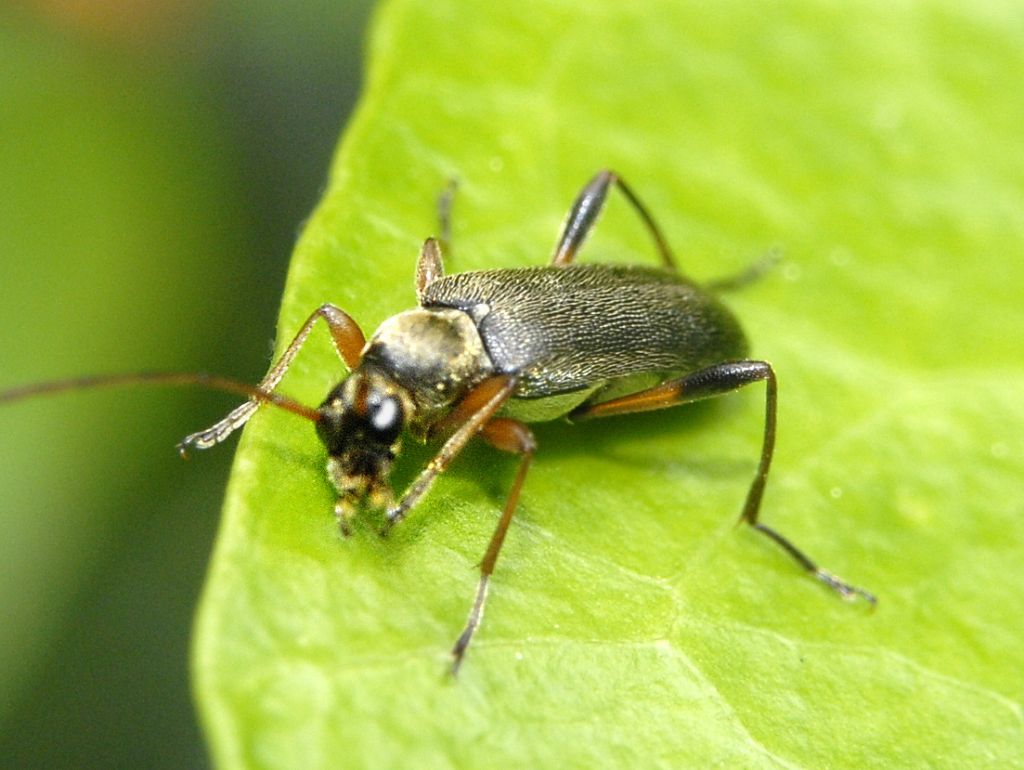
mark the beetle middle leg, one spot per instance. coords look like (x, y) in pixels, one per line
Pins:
(585, 210)
(747, 276)
(715, 381)
(475, 415)
(509, 436)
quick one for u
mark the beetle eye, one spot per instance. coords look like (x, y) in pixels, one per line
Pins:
(386, 418)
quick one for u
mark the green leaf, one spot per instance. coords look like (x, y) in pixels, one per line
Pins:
(630, 624)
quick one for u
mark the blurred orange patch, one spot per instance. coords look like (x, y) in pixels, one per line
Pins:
(127, 21)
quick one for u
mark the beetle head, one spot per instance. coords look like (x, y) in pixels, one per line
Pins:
(361, 421)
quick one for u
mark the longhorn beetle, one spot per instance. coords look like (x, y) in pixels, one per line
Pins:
(489, 351)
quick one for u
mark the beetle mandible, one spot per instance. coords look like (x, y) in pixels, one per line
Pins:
(487, 352)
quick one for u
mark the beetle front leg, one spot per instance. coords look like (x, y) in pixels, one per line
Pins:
(429, 266)
(348, 340)
(444, 213)
(715, 381)
(472, 413)
(584, 213)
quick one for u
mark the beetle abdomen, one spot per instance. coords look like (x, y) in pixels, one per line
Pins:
(564, 329)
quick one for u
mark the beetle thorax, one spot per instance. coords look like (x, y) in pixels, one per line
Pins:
(435, 354)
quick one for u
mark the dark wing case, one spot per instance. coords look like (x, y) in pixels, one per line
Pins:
(563, 329)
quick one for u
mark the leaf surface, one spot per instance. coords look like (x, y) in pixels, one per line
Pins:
(630, 624)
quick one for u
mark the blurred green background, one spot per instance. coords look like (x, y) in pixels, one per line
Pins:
(156, 163)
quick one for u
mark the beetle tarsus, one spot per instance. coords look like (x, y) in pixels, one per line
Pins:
(219, 431)
(392, 518)
(459, 652)
(847, 591)
(752, 273)
(476, 614)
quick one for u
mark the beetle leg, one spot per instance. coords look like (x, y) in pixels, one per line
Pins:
(348, 341)
(444, 213)
(745, 277)
(715, 381)
(429, 266)
(584, 213)
(473, 412)
(509, 436)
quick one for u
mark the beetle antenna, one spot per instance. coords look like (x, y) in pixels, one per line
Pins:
(196, 379)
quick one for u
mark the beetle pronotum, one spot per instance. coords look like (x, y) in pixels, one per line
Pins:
(486, 352)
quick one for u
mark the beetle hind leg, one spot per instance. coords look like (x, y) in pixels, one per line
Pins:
(715, 381)
(837, 584)
(585, 210)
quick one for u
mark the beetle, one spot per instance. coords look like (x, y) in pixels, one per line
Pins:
(485, 353)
